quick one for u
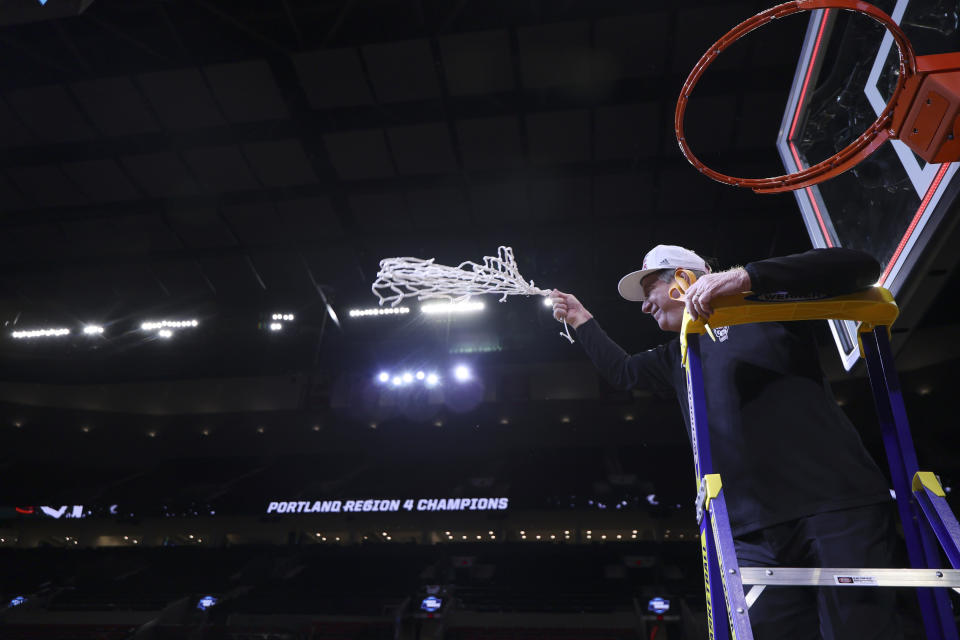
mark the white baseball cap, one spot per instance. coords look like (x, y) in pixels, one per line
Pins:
(662, 256)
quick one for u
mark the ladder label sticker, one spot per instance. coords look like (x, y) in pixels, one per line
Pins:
(862, 581)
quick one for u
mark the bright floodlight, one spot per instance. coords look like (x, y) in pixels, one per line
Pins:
(433, 308)
(165, 333)
(461, 373)
(397, 381)
(40, 333)
(288, 317)
(383, 377)
(421, 375)
(168, 324)
(407, 377)
(275, 326)
(93, 330)
(379, 311)
(432, 379)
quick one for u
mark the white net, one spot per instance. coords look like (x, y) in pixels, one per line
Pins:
(401, 278)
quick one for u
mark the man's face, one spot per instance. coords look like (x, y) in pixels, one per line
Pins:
(665, 310)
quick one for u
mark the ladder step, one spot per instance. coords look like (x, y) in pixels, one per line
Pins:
(847, 577)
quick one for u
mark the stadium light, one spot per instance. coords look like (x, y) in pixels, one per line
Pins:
(165, 333)
(435, 308)
(93, 330)
(168, 324)
(461, 373)
(41, 333)
(405, 378)
(378, 311)
(277, 320)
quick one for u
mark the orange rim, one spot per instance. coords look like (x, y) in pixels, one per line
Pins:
(875, 135)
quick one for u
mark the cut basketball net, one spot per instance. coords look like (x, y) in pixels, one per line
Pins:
(401, 278)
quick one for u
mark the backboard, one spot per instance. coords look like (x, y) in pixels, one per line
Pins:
(893, 205)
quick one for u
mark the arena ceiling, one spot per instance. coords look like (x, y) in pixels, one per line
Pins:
(225, 159)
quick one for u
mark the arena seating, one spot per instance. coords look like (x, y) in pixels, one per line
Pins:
(66, 631)
(467, 633)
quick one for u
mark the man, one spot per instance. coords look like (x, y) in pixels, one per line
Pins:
(801, 489)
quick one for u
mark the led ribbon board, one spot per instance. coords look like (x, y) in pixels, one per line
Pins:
(374, 505)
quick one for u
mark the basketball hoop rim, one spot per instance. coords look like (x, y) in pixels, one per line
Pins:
(875, 135)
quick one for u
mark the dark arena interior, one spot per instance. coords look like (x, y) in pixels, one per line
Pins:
(209, 427)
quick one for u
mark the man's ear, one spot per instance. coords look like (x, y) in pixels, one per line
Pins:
(682, 274)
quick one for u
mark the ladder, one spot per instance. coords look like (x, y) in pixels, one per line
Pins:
(921, 501)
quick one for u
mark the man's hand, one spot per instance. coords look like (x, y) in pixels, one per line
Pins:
(714, 285)
(567, 307)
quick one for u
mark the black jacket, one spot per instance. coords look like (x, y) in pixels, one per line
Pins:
(782, 446)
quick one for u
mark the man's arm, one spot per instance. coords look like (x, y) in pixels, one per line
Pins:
(646, 370)
(828, 272)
